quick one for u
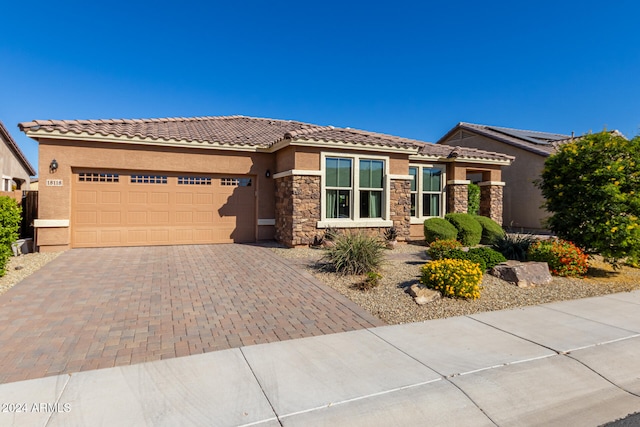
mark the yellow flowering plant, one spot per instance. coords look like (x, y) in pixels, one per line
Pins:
(453, 278)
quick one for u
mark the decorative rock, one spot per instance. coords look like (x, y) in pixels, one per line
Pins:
(523, 274)
(422, 295)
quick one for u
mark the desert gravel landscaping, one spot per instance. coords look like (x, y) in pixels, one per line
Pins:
(393, 305)
(22, 266)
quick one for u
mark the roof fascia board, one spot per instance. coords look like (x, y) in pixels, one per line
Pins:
(340, 145)
(137, 141)
(422, 158)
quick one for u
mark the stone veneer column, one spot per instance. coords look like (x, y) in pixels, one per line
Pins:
(297, 209)
(400, 207)
(457, 196)
(491, 200)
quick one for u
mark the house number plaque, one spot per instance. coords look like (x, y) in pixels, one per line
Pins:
(54, 183)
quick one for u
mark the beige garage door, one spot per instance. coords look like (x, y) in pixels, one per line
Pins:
(111, 208)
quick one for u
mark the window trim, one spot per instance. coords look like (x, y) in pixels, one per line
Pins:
(419, 219)
(354, 220)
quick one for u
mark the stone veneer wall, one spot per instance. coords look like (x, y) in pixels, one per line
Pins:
(400, 208)
(297, 209)
(457, 198)
(491, 202)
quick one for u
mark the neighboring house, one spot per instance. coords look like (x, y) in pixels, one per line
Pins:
(242, 179)
(15, 169)
(522, 199)
(34, 184)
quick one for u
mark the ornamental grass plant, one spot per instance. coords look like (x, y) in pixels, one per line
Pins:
(355, 253)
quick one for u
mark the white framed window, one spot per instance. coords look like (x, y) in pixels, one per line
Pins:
(427, 192)
(355, 191)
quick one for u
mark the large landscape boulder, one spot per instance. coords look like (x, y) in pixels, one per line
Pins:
(523, 274)
(422, 295)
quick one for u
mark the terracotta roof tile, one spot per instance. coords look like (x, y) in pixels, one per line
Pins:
(240, 131)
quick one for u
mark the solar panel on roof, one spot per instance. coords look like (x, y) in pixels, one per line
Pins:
(540, 138)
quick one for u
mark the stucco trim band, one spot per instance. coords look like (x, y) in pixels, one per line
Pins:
(496, 183)
(401, 177)
(355, 224)
(458, 182)
(47, 223)
(296, 172)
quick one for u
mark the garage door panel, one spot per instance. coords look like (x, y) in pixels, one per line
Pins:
(87, 218)
(159, 218)
(169, 210)
(110, 197)
(184, 198)
(159, 198)
(137, 197)
(84, 197)
(111, 237)
(110, 218)
(184, 217)
(137, 217)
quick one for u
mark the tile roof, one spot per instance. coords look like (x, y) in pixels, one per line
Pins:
(4, 134)
(241, 131)
(542, 143)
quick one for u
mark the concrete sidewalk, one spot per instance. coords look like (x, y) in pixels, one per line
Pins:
(572, 363)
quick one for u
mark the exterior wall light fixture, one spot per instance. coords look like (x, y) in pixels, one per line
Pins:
(53, 166)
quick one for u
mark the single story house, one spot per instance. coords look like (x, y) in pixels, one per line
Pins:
(242, 179)
(15, 169)
(522, 199)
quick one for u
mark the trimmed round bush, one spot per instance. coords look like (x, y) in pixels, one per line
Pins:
(564, 258)
(356, 253)
(469, 256)
(453, 278)
(490, 257)
(439, 229)
(491, 230)
(469, 230)
(440, 248)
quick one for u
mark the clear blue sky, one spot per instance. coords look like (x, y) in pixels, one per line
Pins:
(408, 68)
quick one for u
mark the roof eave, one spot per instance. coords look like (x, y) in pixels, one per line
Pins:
(17, 151)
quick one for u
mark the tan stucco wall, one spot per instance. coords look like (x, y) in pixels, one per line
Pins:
(522, 200)
(55, 202)
(11, 167)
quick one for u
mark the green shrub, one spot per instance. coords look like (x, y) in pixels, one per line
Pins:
(439, 229)
(490, 257)
(440, 248)
(473, 199)
(10, 218)
(514, 246)
(469, 230)
(564, 258)
(453, 278)
(590, 188)
(491, 230)
(355, 253)
(469, 256)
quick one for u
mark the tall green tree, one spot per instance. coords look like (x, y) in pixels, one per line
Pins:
(592, 190)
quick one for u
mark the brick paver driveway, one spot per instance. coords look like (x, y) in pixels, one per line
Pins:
(97, 308)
